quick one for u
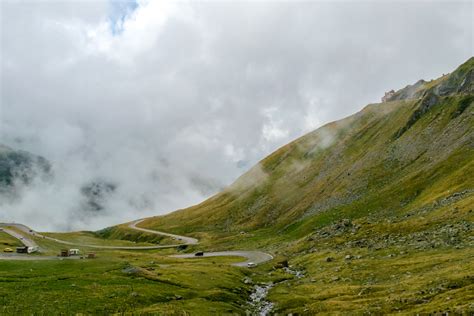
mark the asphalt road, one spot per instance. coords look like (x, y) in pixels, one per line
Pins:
(24, 239)
(29, 231)
(185, 240)
(26, 257)
(256, 257)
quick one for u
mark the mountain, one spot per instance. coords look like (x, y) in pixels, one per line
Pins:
(369, 214)
(20, 167)
(386, 159)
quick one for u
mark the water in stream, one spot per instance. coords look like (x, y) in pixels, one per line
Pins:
(260, 306)
(258, 303)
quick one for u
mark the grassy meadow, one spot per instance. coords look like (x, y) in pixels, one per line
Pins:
(130, 282)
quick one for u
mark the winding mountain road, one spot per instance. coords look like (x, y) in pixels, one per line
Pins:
(24, 239)
(132, 225)
(256, 257)
(185, 240)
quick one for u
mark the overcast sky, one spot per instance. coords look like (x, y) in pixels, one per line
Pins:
(171, 101)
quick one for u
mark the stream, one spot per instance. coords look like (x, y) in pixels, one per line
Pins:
(258, 304)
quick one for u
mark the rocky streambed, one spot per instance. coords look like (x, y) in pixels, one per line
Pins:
(258, 303)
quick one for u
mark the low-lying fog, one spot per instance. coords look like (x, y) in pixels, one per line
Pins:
(146, 107)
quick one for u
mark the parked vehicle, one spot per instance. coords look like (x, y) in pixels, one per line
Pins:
(22, 249)
(74, 252)
(251, 264)
(32, 249)
(8, 250)
(91, 255)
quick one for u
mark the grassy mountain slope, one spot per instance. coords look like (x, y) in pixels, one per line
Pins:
(374, 213)
(388, 158)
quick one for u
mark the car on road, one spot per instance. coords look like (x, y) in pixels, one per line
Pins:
(251, 264)
(8, 250)
(199, 254)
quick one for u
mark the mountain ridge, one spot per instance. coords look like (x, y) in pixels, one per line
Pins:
(330, 157)
(369, 214)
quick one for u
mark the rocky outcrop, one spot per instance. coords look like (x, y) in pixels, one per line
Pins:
(414, 91)
(459, 81)
(429, 100)
(467, 85)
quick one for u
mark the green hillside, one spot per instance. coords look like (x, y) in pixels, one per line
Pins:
(387, 159)
(374, 211)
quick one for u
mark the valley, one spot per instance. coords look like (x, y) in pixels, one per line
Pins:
(369, 214)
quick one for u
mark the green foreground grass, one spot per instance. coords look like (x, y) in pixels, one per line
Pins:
(122, 282)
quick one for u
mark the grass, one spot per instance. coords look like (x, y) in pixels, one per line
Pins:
(414, 282)
(122, 232)
(7, 241)
(397, 265)
(120, 282)
(90, 238)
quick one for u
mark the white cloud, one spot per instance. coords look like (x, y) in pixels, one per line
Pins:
(140, 30)
(188, 95)
(272, 130)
